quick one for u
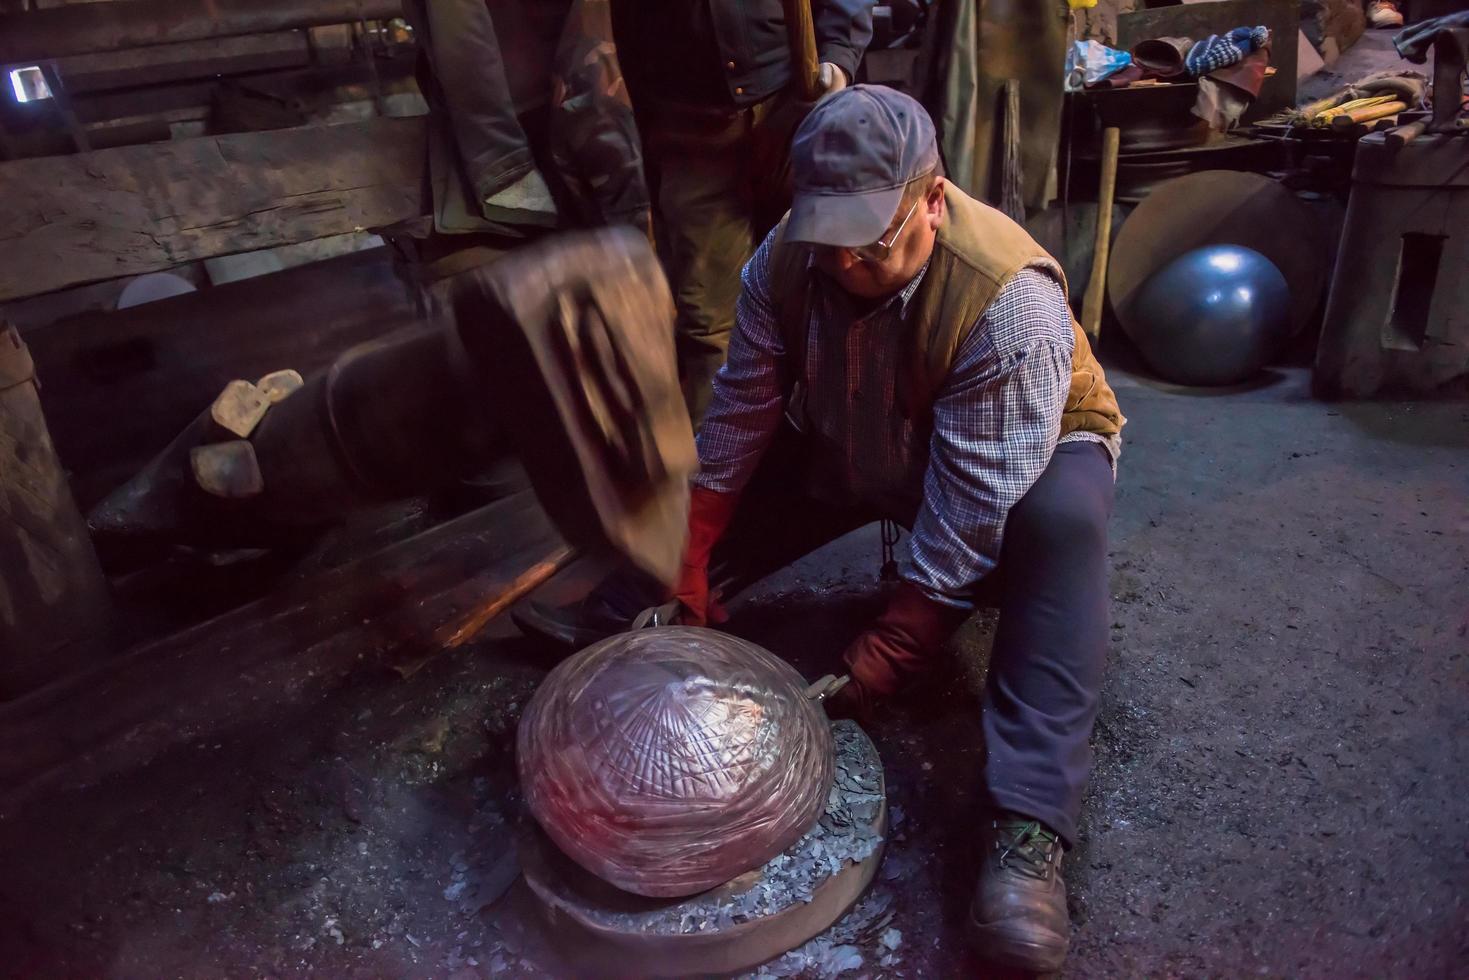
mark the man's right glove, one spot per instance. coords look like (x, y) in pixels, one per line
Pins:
(709, 514)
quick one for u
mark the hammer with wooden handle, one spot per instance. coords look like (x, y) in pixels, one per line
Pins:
(1096, 287)
(1401, 136)
(801, 31)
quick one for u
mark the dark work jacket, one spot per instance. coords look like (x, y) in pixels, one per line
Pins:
(749, 54)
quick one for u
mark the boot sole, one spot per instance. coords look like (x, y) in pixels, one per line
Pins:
(1004, 948)
(535, 623)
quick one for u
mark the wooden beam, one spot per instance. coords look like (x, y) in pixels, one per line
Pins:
(190, 59)
(88, 28)
(120, 212)
(314, 86)
(293, 646)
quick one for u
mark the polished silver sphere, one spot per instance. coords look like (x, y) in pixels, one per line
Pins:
(1212, 316)
(668, 761)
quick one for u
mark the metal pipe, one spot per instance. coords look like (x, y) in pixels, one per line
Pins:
(89, 28)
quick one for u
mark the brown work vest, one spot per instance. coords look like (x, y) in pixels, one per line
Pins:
(977, 252)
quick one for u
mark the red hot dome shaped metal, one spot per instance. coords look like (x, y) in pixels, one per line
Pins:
(668, 761)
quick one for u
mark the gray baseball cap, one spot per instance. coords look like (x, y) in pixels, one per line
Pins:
(851, 158)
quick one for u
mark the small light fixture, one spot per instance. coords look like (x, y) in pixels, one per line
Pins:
(29, 84)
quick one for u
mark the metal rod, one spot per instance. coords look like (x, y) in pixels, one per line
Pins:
(89, 28)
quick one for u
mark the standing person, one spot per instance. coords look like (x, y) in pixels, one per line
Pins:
(709, 80)
(904, 351)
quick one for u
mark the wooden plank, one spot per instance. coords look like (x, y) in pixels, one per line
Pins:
(315, 86)
(291, 647)
(191, 59)
(88, 28)
(1199, 20)
(134, 209)
(118, 386)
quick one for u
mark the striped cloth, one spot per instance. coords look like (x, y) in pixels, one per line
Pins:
(995, 421)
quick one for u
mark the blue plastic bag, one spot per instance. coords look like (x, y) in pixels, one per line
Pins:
(1089, 62)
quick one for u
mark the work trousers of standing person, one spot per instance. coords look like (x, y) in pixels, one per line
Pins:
(718, 193)
(1045, 670)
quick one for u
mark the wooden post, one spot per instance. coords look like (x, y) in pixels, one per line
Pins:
(1096, 287)
(54, 604)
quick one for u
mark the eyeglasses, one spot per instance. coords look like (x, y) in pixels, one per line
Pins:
(880, 250)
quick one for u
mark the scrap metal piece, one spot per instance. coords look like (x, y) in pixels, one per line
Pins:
(278, 385)
(227, 469)
(239, 408)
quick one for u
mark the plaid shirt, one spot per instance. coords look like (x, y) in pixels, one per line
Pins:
(995, 421)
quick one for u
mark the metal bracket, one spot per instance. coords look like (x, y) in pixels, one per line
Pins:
(664, 615)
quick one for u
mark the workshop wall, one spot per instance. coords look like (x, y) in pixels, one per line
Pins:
(1099, 23)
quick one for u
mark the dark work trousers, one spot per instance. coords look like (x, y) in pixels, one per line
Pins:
(1051, 587)
(715, 202)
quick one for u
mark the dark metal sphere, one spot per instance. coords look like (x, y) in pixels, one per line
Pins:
(668, 761)
(1213, 316)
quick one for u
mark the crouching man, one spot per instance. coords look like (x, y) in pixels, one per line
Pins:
(904, 351)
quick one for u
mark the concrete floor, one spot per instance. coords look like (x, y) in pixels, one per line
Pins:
(1279, 788)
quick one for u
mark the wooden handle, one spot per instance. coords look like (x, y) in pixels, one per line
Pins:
(801, 31)
(1367, 114)
(1401, 136)
(469, 625)
(1096, 287)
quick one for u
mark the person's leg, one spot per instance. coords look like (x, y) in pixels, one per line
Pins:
(1040, 701)
(704, 207)
(1046, 667)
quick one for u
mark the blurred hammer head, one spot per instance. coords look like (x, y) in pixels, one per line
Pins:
(574, 336)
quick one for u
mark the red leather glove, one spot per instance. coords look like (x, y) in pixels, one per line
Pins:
(709, 514)
(899, 644)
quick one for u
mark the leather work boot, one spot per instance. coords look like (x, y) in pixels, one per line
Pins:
(571, 627)
(1018, 917)
(608, 609)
